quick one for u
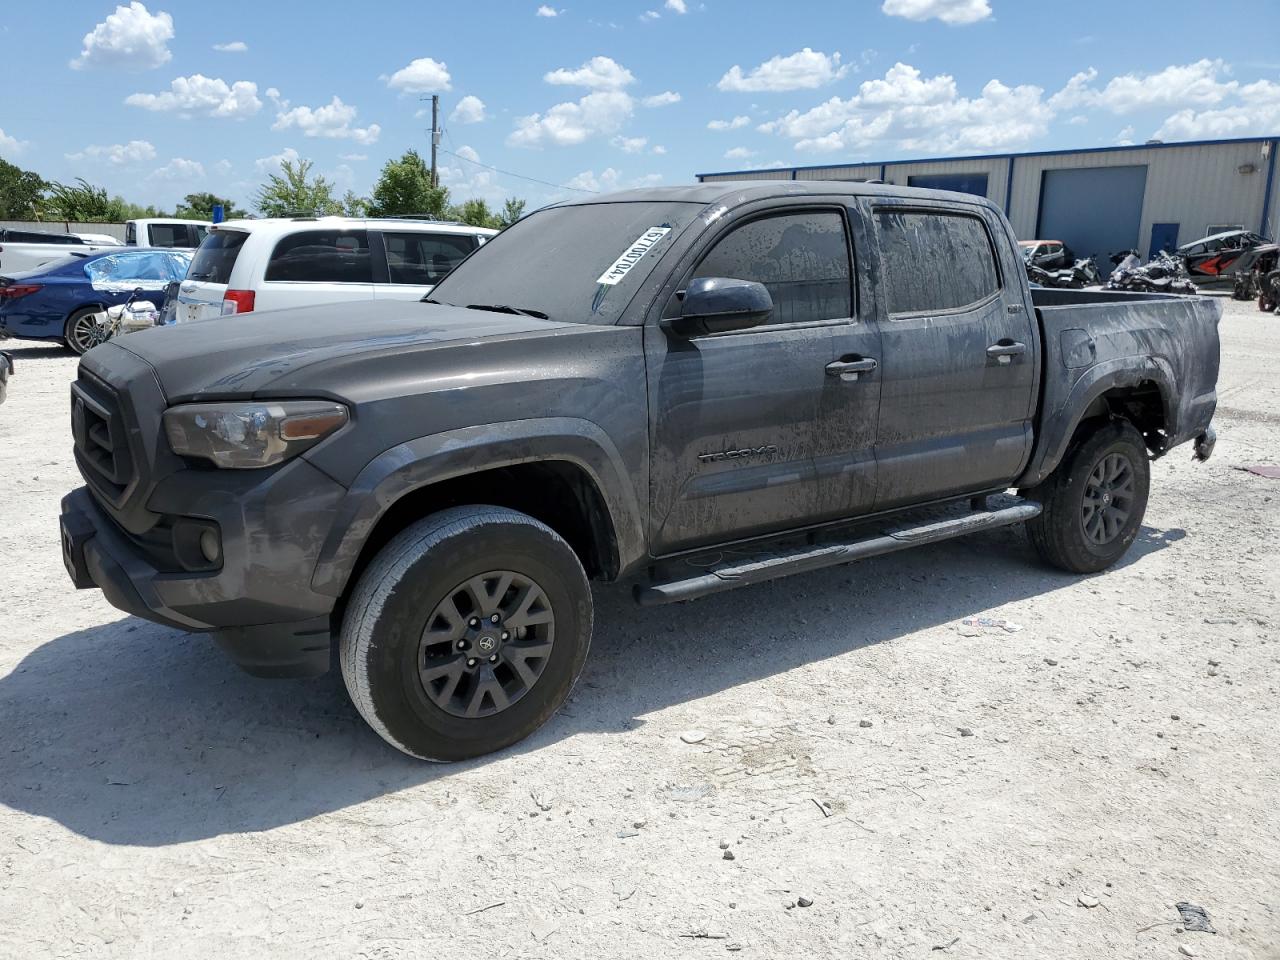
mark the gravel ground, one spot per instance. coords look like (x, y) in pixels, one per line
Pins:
(1051, 791)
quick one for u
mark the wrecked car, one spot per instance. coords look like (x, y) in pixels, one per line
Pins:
(1218, 256)
(689, 389)
(1252, 271)
(1163, 274)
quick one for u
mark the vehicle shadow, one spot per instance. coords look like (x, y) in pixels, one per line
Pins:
(51, 351)
(131, 733)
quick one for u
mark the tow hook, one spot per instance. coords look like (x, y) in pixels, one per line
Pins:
(1204, 445)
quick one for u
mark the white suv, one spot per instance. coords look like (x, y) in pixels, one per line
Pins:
(245, 265)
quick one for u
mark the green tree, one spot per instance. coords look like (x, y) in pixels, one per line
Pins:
(405, 187)
(83, 202)
(476, 213)
(21, 193)
(512, 211)
(294, 193)
(199, 206)
(354, 206)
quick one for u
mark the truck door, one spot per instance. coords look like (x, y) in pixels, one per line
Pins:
(958, 353)
(735, 418)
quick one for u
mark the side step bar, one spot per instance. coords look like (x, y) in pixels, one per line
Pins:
(783, 565)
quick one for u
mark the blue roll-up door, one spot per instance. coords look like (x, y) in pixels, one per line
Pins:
(975, 183)
(1095, 211)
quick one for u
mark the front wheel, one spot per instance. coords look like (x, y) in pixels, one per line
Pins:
(466, 632)
(1094, 501)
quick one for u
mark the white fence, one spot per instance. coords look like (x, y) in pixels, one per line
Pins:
(61, 226)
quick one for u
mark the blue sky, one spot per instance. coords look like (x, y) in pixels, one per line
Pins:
(154, 101)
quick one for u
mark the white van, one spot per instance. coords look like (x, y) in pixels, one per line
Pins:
(250, 265)
(165, 233)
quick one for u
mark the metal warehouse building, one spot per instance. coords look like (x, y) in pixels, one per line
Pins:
(1098, 201)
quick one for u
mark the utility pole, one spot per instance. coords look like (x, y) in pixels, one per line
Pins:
(435, 138)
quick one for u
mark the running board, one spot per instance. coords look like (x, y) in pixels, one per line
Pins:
(785, 564)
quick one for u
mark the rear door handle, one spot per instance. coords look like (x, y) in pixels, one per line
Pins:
(1005, 350)
(848, 370)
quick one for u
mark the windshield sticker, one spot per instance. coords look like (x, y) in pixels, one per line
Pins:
(629, 258)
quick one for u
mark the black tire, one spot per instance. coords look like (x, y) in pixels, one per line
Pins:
(78, 331)
(384, 646)
(1081, 529)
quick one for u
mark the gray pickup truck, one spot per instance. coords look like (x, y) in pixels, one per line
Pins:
(689, 388)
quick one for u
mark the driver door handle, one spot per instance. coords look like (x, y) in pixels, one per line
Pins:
(849, 369)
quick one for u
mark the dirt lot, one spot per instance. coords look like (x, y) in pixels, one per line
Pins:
(1048, 792)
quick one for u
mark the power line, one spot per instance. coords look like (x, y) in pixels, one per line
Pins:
(518, 176)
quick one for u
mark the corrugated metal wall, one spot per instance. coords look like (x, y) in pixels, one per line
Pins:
(110, 229)
(1194, 185)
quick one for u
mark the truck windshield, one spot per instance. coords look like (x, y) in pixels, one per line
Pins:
(580, 264)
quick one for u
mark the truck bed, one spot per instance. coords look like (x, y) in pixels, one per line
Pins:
(1095, 340)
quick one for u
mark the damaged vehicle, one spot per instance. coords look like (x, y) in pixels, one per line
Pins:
(1219, 256)
(688, 389)
(1163, 274)
(1252, 273)
(1083, 273)
(64, 299)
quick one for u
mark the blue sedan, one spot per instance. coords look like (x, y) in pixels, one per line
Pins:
(57, 300)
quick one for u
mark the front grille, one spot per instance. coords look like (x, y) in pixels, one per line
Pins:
(101, 439)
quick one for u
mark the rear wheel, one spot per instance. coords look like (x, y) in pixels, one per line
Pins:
(1094, 501)
(466, 632)
(81, 330)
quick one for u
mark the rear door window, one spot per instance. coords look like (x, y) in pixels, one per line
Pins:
(935, 262)
(425, 258)
(801, 258)
(322, 256)
(168, 234)
(216, 256)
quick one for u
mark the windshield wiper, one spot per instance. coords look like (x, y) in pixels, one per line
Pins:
(503, 308)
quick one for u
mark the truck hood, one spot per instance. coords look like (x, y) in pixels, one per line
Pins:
(239, 355)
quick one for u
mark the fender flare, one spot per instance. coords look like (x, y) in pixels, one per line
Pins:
(436, 457)
(1059, 426)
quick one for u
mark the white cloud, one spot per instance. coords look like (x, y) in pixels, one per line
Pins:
(423, 75)
(469, 110)
(678, 6)
(180, 169)
(197, 93)
(353, 157)
(598, 73)
(235, 46)
(223, 167)
(117, 154)
(132, 37)
(804, 70)
(733, 124)
(1079, 120)
(630, 144)
(739, 153)
(10, 144)
(566, 124)
(663, 99)
(545, 11)
(272, 164)
(468, 153)
(1198, 84)
(1125, 137)
(953, 12)
(909, 112)
(650, 15)
(1257, 113)
(333, 120)
(611, 179)
(658, 150)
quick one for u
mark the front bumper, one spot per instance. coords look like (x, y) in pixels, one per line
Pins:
(267, 619)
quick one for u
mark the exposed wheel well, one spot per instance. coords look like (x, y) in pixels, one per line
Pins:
(1142, 405)
(560, 494)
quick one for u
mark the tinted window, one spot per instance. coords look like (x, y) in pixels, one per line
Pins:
(216, 256)
(169, 235)
(131, 233)
(935, 261)
(21, 236)
(581, 263)
(322, 256)
(801, 258)
(425, 258)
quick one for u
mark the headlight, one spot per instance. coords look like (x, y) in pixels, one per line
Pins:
(243, 436)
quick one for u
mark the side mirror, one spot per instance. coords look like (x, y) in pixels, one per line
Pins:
(720, 305)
